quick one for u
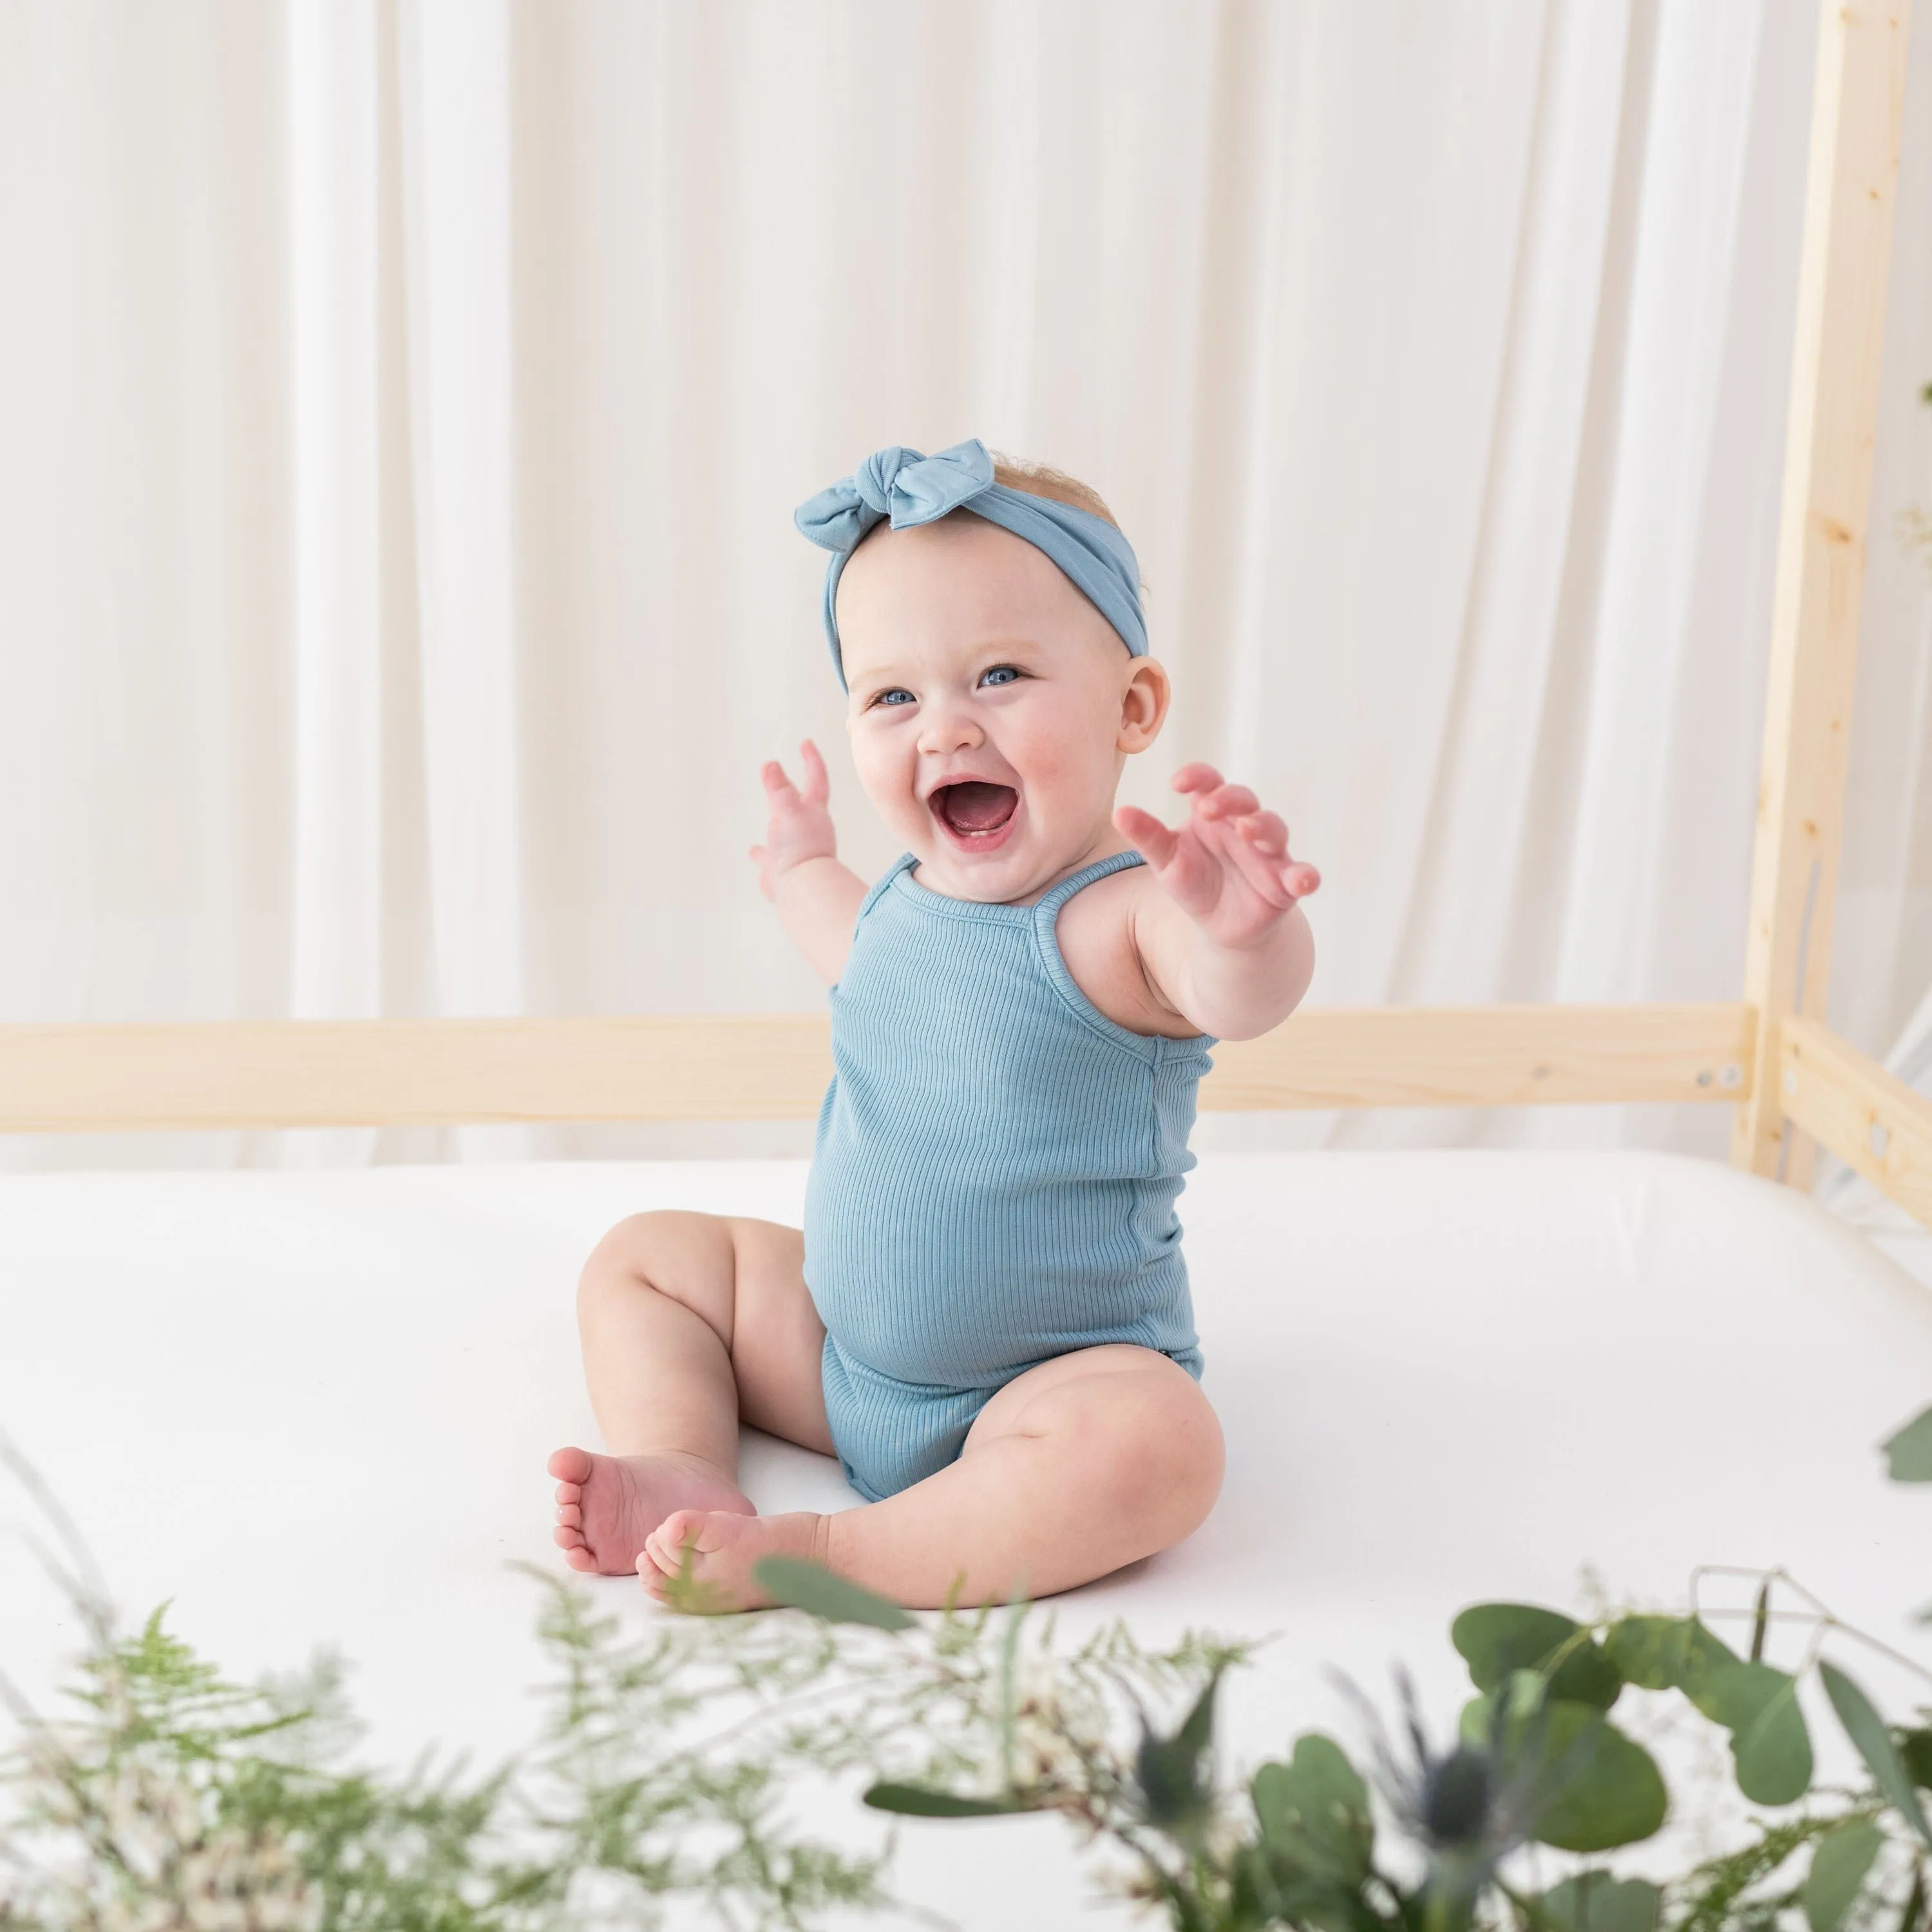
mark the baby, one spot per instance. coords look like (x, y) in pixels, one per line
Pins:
(986, 1317)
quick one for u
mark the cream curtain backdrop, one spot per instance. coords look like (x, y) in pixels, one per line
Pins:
(402, 403)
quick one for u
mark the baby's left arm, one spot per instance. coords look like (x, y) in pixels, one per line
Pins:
(1222, 941)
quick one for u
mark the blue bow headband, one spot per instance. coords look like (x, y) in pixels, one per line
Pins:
(909, 489)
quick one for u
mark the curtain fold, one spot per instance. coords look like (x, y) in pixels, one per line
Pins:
(403, 402)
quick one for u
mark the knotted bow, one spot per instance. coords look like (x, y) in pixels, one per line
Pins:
(897, 483)
(907, 489)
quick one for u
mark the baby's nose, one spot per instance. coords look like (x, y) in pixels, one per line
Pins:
(947, 728)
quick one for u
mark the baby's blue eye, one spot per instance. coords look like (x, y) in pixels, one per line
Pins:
(1001, 674)
(898, 694)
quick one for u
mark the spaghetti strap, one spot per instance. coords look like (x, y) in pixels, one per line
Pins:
(1050, 902)
(882, 884)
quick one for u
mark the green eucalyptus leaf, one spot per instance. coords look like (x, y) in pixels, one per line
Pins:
(1866, 1729)
(1596, 1789)
(801, 1584)
(1668, 1654)
(1495, 1639)
(920, 1800)
(1839, 1864)
(1270, 1890)
(1774, 1754)
(1473, 1722)
(1646, 1650)
(1525, 1692)
(1522, 1695)
(1592, 1788)
(1593, 1901)
(1498, 1640)
(1270, 1788)
(1908, 1451)
(1913, 1917)
(1314, 1813)
(1914, 1753)
(1758, 1705)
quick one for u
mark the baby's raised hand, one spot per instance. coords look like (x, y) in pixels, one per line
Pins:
(1228, 867)
(801, 827)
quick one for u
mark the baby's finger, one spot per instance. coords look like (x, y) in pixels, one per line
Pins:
(757, 855)
(775, 781)
(1155, 842)
(818, 785)
(1301, 880)
(1265, 832)
(1227, 801)
(1259, 871)
(1196, 778)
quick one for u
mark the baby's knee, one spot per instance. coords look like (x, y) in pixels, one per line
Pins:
(655, 1250)
(1157, 1449)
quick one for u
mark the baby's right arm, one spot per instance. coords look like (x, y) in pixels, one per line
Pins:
(817, 898)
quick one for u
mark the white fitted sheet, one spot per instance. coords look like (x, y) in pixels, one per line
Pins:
(316, 1408)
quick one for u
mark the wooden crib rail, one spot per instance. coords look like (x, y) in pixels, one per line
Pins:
(105, 1078)
(1857, 124)
(1851, 1105)
(750, 1066)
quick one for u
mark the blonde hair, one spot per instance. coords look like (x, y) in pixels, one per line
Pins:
(1041, 479)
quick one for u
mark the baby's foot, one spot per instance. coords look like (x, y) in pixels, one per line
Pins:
(607, 1505)
(703, 1559)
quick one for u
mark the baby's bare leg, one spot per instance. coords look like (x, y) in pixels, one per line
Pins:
(688, 1321)
(1087, 1462)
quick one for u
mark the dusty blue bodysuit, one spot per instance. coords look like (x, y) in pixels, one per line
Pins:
(995, 1176)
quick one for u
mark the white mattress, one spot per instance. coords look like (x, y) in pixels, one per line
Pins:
(317, 1408)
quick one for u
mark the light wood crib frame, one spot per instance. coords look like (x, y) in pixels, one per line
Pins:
(1769, 1054)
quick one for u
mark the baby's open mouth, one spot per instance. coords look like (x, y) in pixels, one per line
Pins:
(970, 808)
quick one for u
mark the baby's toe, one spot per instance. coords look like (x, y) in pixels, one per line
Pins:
(657, 1580)
(666, 1545)
(679, 1528)
(567, 1536)
(570, 1465)
(581, 1558)
(570, 1493)
(569, 1515)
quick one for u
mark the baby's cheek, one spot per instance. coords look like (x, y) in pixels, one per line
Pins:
(885, 774)
(890, 786)
(1069, 753)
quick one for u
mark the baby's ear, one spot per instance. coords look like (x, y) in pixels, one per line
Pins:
(1144, 704)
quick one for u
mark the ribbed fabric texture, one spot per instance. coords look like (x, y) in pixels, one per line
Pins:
(995, 1175)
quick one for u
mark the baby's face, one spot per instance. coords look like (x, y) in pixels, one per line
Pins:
(991, 706)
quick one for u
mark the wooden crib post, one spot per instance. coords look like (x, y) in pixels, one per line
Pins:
(1858, 104)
